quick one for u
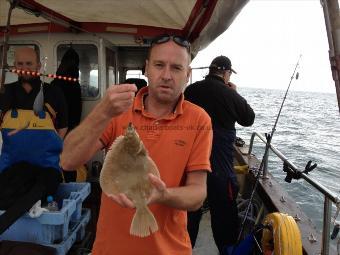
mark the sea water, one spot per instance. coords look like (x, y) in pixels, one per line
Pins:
(308, 129)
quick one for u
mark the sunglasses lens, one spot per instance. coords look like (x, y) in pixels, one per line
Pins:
(177, 39)
(160, 39)
(181, 41)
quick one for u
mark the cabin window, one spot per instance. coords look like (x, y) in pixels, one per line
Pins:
(110, 67)
(136, 77)
(88, 67)
(135, 74)
(12, 77)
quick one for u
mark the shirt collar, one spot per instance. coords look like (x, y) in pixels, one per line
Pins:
(215, 77)
(138, 104)
(35, 84)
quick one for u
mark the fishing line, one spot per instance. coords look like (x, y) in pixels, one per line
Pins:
(269, 139)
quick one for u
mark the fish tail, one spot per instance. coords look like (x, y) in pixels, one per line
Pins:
(143, 221)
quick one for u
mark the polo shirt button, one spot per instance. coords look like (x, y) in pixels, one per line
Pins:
(156, 122)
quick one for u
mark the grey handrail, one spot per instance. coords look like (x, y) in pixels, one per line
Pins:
(329, 196)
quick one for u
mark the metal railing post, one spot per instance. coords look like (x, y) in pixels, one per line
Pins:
(265, 166)
(327, 210)
(251, 143)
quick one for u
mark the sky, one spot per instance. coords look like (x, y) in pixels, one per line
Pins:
(264, 44)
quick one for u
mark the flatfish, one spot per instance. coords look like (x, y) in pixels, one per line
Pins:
(125, 170)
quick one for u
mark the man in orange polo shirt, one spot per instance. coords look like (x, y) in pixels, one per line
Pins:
(177, 135)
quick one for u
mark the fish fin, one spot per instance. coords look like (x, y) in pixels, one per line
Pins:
(142, 150)
(143, 221)
(106, 181)
(108, 171)
(152, 167)
(116, 141)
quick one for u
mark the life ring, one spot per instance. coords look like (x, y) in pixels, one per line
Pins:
(282, 235)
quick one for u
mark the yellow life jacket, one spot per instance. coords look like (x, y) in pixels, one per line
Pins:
(31, 138)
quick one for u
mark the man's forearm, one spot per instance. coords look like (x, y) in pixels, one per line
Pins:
(189, 198)
(79, 145)
(62, 132)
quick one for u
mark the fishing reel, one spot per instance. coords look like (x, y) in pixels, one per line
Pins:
(296, 174)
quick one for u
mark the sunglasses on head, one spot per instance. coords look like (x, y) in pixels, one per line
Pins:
(181, 41)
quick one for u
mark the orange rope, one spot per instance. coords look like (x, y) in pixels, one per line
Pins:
(36, 74)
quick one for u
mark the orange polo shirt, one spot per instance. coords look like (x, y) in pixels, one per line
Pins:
(178, 143)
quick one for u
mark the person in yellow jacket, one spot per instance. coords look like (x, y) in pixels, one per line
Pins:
(32, 139)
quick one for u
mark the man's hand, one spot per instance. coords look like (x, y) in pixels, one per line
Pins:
(118, 99)
(122, 200)
(157, 195)
(231, 85)
(159, 192)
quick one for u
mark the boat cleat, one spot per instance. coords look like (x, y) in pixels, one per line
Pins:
(312, 238)
(297, 218)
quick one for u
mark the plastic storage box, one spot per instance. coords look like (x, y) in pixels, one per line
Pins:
(51, 227)
(77, 233)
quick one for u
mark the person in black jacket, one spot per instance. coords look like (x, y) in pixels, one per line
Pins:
(219, 98)
(69, 67)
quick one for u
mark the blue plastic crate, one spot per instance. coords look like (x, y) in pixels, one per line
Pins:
(51, 227)
(77, 233)
(75, 192)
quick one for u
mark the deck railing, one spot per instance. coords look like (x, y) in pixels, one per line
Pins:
(329, 196)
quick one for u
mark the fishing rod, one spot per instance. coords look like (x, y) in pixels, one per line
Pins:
(269, 139)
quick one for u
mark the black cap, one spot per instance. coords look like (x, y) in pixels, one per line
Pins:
(221, 63)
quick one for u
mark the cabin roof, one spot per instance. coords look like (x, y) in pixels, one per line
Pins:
(201, 21)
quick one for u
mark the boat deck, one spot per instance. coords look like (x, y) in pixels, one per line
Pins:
(205, 244)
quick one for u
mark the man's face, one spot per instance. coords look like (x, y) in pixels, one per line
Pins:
(168, 71)
(226, 76)
(26, 59)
